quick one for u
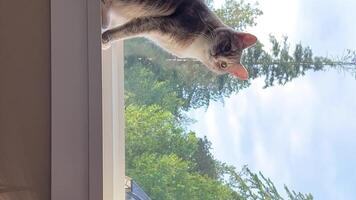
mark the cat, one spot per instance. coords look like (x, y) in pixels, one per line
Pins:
(185, 28)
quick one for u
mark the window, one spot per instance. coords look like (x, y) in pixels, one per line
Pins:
(290, 131)
(292, 121)
(113, 123)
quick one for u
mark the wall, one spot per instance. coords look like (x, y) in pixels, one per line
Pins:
(25, 115)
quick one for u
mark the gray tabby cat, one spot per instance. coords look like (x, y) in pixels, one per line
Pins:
(186, 28)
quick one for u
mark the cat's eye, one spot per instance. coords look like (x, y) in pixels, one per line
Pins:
(223, 65)
(227, 48)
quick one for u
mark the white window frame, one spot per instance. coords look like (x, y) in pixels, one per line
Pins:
(114, 123)
(87, 109)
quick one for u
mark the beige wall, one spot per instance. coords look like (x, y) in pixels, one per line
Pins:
(25, 100)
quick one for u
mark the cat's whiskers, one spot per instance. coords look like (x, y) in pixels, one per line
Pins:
(207, 37)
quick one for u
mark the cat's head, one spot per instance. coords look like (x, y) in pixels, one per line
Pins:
(225, 52)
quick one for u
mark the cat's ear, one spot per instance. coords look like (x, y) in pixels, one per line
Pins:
(246, 39)
(239, 71)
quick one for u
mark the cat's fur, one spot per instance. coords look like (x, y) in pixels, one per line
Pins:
(186, 28)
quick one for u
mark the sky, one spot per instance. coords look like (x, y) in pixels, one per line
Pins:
(302, 134)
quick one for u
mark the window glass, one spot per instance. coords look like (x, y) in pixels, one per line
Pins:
(192, 134)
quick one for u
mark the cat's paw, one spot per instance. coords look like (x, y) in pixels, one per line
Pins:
(106, 40)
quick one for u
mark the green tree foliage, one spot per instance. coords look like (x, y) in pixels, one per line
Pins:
(252, 186)
(238, 14)
(168, 177)
(165, 160)
(205, 162)
(283, 65)
(171, 163)
(153, 130)
(142, 87)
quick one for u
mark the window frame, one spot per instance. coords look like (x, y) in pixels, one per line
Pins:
(82, 119)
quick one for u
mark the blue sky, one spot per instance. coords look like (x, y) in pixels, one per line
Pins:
(302, 134)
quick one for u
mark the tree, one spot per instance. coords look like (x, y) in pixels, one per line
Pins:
(165, 159)
(172, 163)
(254, 186)
(196, 87)
(168, 177)
(143, 88)
(153, 130)
(205, 162)
(282, 66)
(238, 14)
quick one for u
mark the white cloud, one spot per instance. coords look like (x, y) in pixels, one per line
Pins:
(279, 18)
